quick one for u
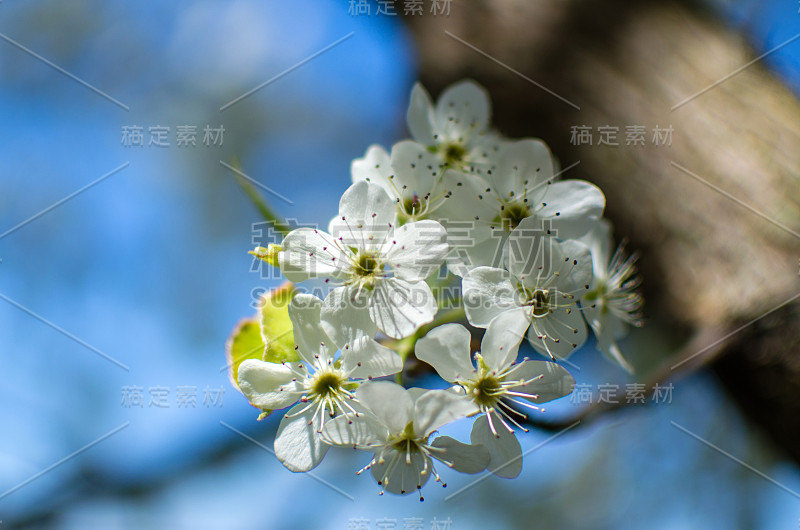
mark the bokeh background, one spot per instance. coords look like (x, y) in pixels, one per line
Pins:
(134, 284)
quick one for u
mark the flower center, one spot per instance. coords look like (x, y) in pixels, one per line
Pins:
(539, 299)
(405, 445)
(407, 441)
(598, 296)
(325, 384)
(513, 214)
(454, 153)
(366, 265)
(485, 391)
(414, 205)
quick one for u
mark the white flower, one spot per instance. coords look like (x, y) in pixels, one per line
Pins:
(520, 185)
(493, 385)
(538, 290)
(321, 385)
(412, 176)
(612, 300)
(398, 432)
(457, 128)
(381, 267)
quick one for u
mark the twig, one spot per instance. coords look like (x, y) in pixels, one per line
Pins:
(709, 341)
(259, 202)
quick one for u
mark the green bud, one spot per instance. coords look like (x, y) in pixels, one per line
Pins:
(269, 254)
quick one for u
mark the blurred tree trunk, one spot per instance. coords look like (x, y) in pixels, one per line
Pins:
(708, 260)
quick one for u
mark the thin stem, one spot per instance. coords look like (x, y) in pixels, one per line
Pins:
(259, 201)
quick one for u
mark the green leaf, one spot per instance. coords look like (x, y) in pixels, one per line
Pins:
(276, 327)
(266, 336)
(244, 343)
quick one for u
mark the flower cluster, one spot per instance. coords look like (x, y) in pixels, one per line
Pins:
(457, 206)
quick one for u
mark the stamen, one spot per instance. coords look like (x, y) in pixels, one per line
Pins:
(512, 410)
(365, 468)
(491, 425)
(299, 412)
(526, 404)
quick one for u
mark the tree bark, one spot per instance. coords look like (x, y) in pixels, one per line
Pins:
(716, 215)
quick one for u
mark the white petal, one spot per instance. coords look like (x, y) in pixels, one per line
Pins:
(376, 161)
(552, 380)
(559, 334)
(466, 458)
(570, 204)
(467, 255)
(366, 216)
(468, 212)
(467, 200)
(436, 408)
(267, 385)
(366, 202)
(310, 253)
(487, 293)
(298, 445)
(367, 359)
(416, 392)
(603, 323)
(446, 348)
(416, 250)
(420, 116)
(500, 344)
(389, 402)
(600, 243)
(374, 168)
(485, 152)
(462, 112)
(611, 350)
(542, 262)
(523, 170)
(607, 328)
(505, 452)
(575, 270)
(404, 476)
(416, 169)
(574, 227)
(304, 312)
(361, 432)
(345, 316)
(530, 254)
(399, 307)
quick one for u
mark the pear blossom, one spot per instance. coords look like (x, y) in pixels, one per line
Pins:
(456, 129)
(321, 385)
(379, 267)
(522, 184)
(538, 291)
(494, 383)
(411, 175)
(398, 428)
(536, 262)
(612, 301)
